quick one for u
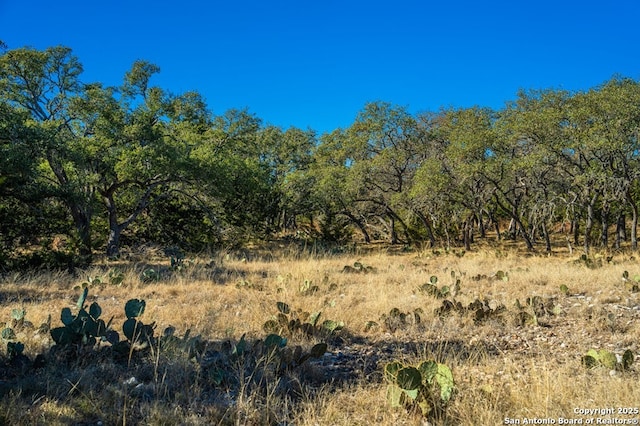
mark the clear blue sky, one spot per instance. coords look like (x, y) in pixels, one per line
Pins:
(315, 64)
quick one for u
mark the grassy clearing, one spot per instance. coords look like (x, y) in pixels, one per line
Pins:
(504, 366)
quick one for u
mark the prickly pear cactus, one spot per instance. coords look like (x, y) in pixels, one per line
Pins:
(85, 328)
(428, 386)
(604, 358)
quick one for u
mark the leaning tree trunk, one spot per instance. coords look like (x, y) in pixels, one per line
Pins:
(391, 228)
(427, 225)
(513, 212)
(359, 225)
(547, 238)
(405, 228)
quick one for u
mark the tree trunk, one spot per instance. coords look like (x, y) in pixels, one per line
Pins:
(604, 239)
(81, 214)
(427, 225)
(392, 229)
(547, 238)
(516, 223)
(513, 229)
(466, 234)
(496, 226)
(405, 228)
(575, 225)
(113, 242)
(588, 226)
(481, 229)
(621, 230)
(82, 222)
(634, 227)
(360, 226)
(634, 221)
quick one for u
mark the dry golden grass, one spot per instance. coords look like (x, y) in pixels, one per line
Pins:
(502, 369)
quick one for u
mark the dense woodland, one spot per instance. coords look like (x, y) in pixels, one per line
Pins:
(99, 168)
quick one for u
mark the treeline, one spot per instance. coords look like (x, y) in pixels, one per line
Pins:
(108, 166)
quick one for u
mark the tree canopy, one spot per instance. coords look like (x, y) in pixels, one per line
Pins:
(99, 167)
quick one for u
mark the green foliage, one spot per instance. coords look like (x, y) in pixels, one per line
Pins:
(534, 309)
(398, 320)
(480, 310)
(116, 277)
(604, 358)
(358, 268)
(632, 285)
(308, 324)
(15, 328)
(8, 334)
(432, 288)
(90, 282)
(502, 276)
(18, 315)
(83, 328)
(135, 330)
(593, 262)
(149, 166)
(230, 365)
(308, 288)
(426, 387)
(150, 275)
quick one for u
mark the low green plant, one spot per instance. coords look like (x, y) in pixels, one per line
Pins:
(535, 308)
(501, 276)
(604, 358)
(480, 310)
(90, 282)
(308, 288)
(426, 387)
(398, 320)
(358, 268)
(225, 364)
(16, 323)
(597, 261)
(135, 330)
(431, 288)
(85, 327)
(149, 275)
(289, 358)
(631, 284)
(288, 321)
(116, 277)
